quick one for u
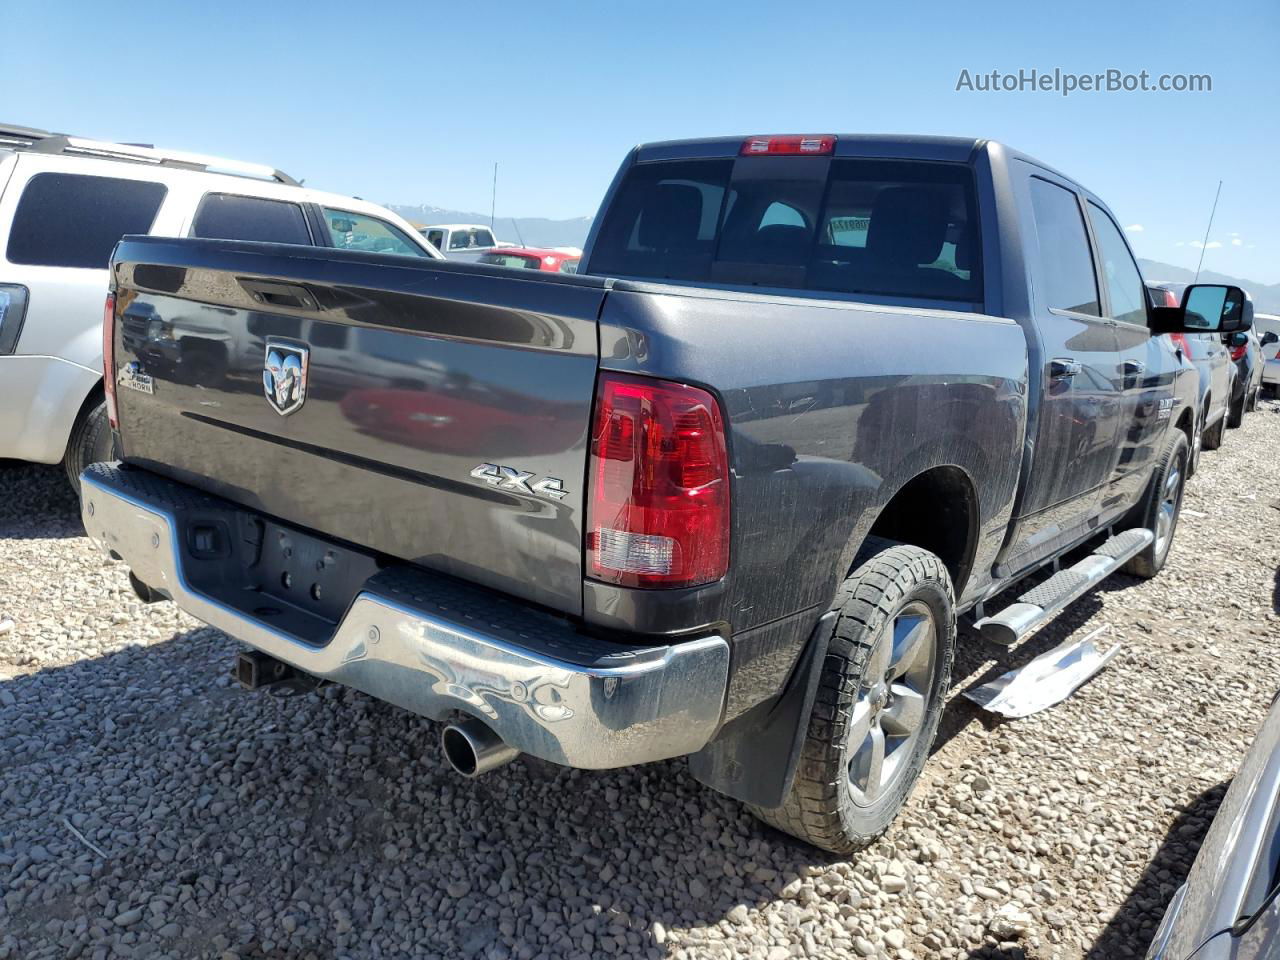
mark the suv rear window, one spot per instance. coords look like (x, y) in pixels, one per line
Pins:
(226, 216)
(887, 228)
(74, 220)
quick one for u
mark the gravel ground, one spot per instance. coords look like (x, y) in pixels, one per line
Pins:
(149, 808)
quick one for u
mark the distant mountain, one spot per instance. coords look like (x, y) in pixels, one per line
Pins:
(531, 231)
(1266, 296)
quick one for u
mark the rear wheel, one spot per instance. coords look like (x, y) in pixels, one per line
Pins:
(1235, 415)
(1211, 439)
(1163, 507)
(91, 442)
(879, 698)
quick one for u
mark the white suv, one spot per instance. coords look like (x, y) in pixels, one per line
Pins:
(64, 202)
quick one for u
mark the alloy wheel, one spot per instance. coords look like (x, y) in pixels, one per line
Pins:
(892, 702)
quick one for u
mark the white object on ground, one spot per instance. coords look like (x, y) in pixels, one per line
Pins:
(1048, 679)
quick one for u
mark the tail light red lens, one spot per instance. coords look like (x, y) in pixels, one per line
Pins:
(1237, 353)
(109, 357)
(658, 508)
(808, 145)
(1171, 299)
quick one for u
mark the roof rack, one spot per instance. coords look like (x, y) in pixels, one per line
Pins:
(41, 141)
(14, 136)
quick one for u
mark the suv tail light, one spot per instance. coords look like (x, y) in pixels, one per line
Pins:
(109, 358)
(808, 145)
(1237, 353)
(658, 488)
(13, 310)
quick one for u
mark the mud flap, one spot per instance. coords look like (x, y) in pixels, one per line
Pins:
(754, 758)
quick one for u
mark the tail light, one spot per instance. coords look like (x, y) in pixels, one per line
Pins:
(658, 508)
(809, 145)
(13, 310)
(1237, 353)
(1171, 299)
(109, 357)
(1180, 341)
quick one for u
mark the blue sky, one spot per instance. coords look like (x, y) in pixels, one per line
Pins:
(413, 102)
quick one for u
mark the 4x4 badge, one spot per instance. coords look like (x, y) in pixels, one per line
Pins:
(284, 376)
(509, 478)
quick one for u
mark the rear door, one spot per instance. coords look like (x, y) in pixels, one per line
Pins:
(1073, 375)
(443, 412)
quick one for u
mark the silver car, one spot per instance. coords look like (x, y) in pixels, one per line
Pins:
(1267, 326)
(1229, 909)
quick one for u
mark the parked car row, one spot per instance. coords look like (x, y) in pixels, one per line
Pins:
(1230, 370)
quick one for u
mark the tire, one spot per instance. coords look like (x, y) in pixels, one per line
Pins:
(91, 442)
(835, 802)
(1163, 507)
(1235, 413)
(1211, 439)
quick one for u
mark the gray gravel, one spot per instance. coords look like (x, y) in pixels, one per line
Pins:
(149, 808)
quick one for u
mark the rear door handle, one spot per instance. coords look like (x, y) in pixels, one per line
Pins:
(1063, 368)
(1134, 366)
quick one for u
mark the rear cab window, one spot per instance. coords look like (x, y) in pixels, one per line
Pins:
(470, 239)
(885, 228)
(229, 216)
(516, 260)
(75, 220)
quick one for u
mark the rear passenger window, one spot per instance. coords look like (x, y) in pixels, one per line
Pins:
(1124, 283)
(1066, 263)
(73, 220)
(225, 216)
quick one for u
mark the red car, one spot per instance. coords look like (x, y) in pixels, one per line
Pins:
(533, 258)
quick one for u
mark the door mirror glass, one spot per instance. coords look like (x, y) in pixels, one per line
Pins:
(1212, 308)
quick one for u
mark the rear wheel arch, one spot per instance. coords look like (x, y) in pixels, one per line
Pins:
(937, 510)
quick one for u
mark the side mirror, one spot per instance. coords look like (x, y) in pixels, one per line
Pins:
(1206, 308)
(1269, 338)
(1238, 339)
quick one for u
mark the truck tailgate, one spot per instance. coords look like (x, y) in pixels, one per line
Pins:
(434, 412)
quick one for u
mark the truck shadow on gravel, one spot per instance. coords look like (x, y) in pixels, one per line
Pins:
(326, 823)
(979, 661)
(37, 503)
(1131, 929)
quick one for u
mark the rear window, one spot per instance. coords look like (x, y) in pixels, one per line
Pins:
(73, 220)
(887, 228)
(511, 260)
(470, 239)
(227, 216)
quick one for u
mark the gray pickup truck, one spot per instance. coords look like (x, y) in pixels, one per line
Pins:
(722, 495)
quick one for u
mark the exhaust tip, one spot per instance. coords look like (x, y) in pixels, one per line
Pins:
(471, 748)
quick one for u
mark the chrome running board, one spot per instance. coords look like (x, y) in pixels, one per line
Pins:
(1037, 607)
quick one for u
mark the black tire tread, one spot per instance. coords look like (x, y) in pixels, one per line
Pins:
(1146, 564)
(90, 436)
(884, 573)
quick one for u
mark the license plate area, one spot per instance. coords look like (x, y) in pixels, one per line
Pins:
(296, 582)
(309, 573)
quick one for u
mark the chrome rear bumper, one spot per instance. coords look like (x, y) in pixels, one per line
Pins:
(434, 646)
